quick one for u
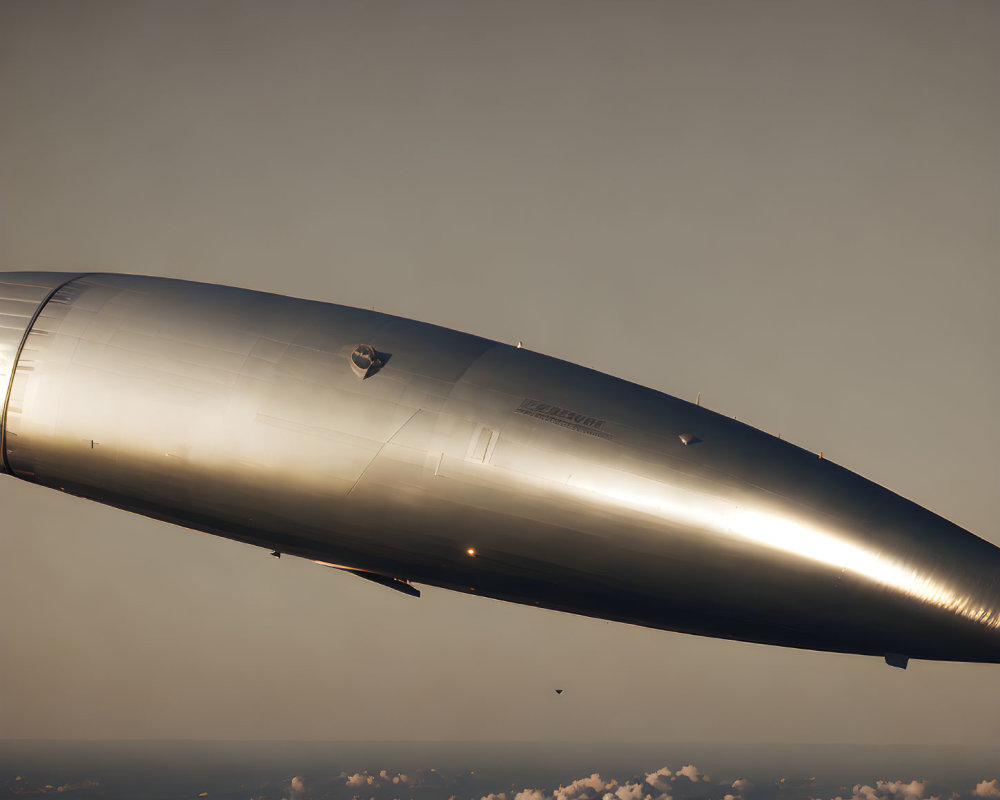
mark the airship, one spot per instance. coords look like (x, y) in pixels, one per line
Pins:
(409, 454)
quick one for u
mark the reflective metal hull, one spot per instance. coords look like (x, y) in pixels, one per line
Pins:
(451, 460)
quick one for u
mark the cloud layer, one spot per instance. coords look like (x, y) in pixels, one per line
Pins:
(668, 782)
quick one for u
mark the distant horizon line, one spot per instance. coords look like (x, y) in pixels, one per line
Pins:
(466, 742)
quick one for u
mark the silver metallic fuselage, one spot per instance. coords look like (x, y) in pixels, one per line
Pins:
(238, 413)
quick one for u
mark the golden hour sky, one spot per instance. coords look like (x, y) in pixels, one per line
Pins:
(790, 207)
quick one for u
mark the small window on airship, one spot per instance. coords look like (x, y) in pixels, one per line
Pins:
(365, 361)
(481, 445)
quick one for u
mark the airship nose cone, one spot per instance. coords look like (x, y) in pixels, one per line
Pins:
(952, 589)
(907, 582)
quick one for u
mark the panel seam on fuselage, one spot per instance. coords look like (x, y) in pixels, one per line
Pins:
(379, 452)
(14, 363)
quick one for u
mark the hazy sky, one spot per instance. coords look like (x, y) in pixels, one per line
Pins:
(791, 207)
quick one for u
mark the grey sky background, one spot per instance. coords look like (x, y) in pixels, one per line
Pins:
(789, 207)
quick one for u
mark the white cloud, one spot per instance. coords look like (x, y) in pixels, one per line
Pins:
(531, 794)
(741, 784)
(492, 796)
(627, 791)
(589, 788)
(890, 790)
(398, 778)
(691, 772)
(360, 779)
(912, 790)
(987, 788)
(659, 780)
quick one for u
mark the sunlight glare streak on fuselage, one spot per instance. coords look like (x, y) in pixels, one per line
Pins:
(720, 516)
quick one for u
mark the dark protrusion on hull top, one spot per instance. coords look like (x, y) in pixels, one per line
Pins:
(896, 660)
(365, 361)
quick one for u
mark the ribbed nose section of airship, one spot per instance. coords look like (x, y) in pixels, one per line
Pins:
(22, 297)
